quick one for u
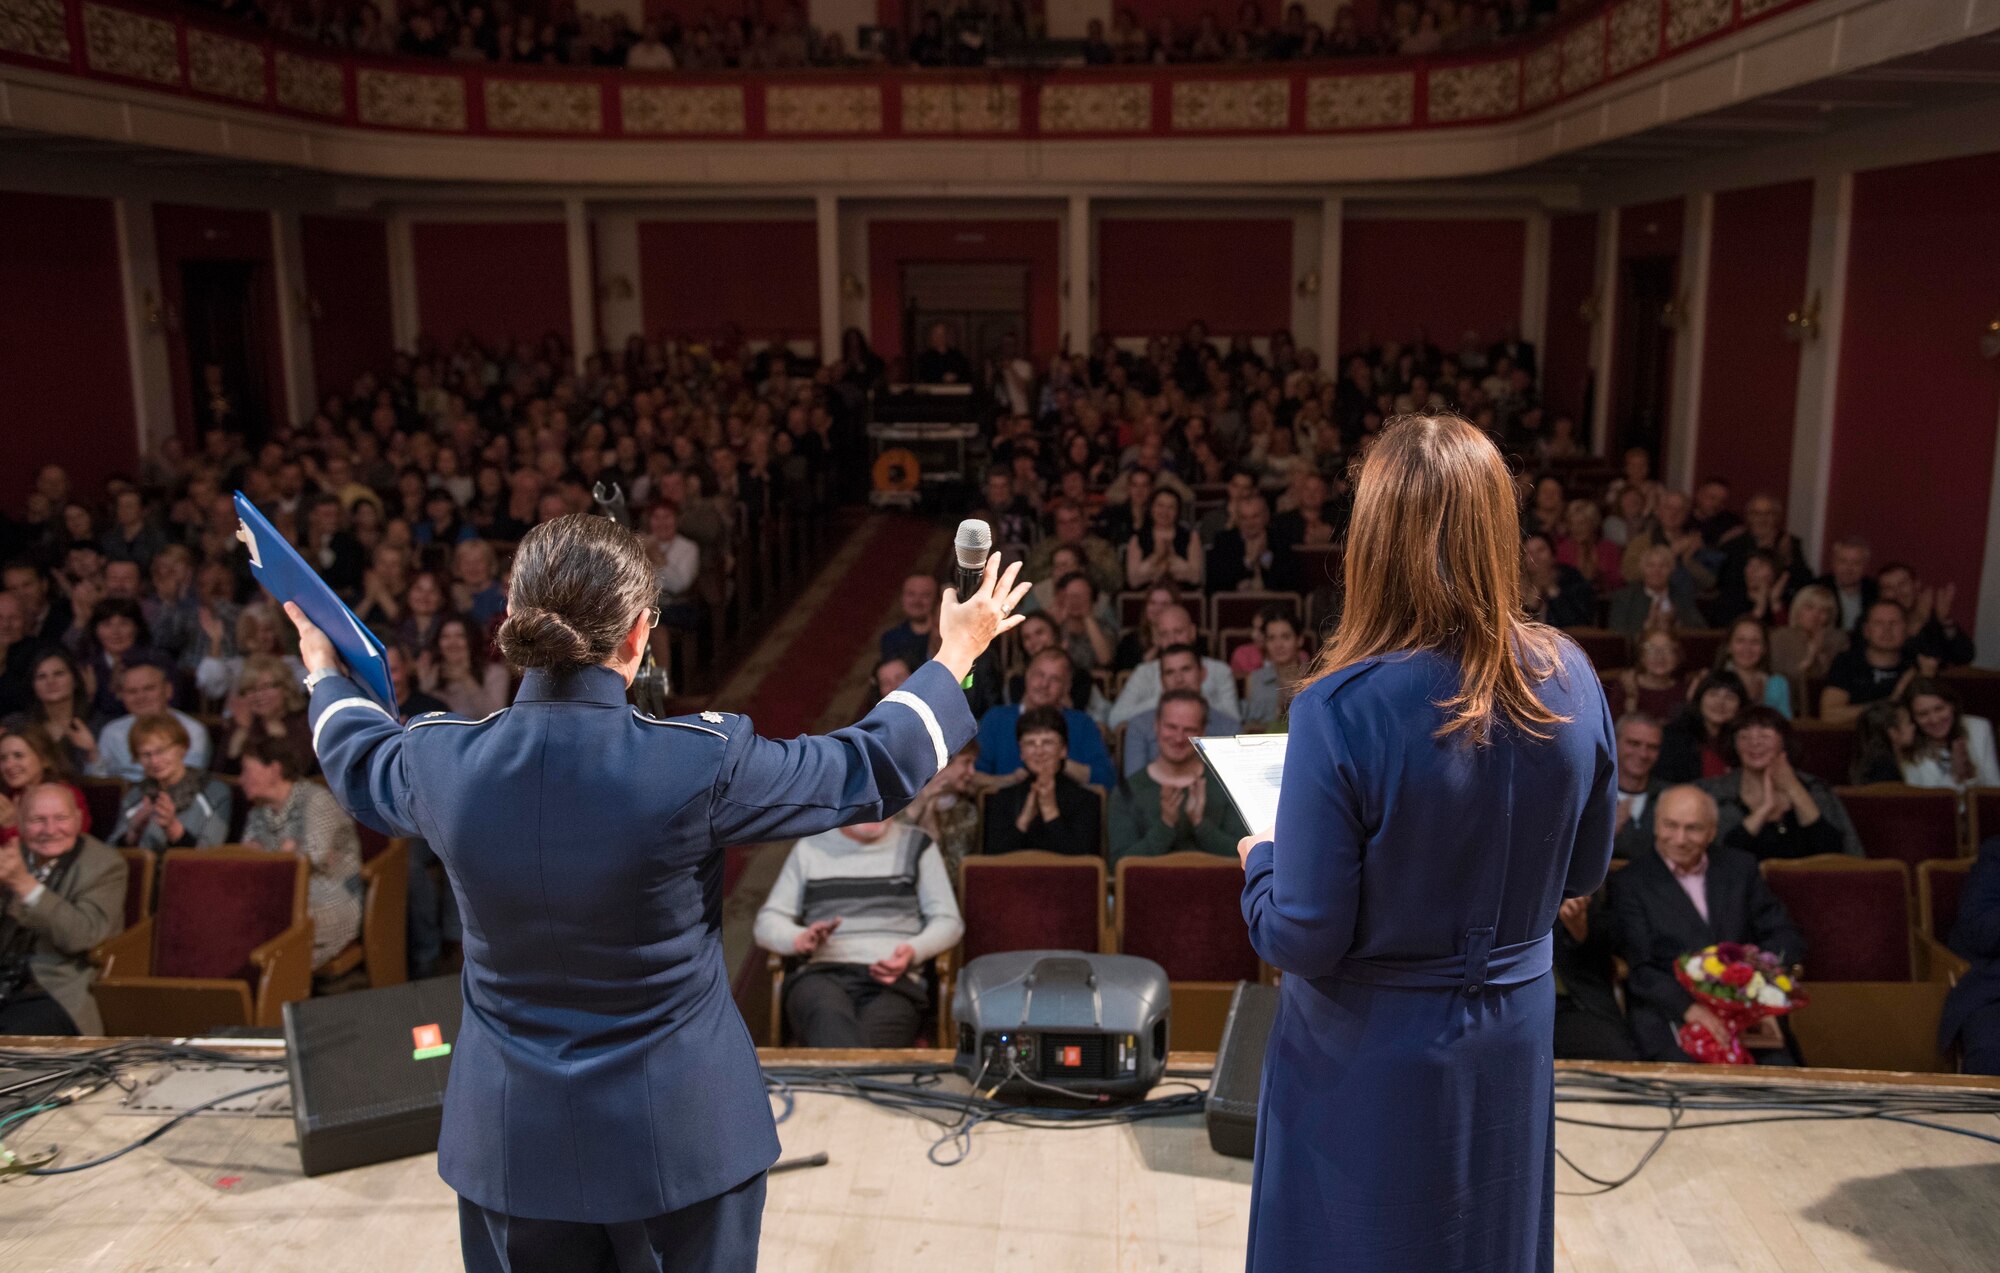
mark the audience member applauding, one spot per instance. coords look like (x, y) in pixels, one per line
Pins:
(1172, 803)
(1887, 743)
(424, 611)
(1269, 689)
(1693, 745)
(1692, 892)
(1583, 547)
(61, 707)
(1636, 476)
(1039, 632)
(1950, 749)
(1880, 667)
(1971, 1017)
(1590, 1025)
(455, 668)
(1660, 597)
(1848, 580)
(46, 616)
(1669, 527)
(1139, 644)
(1046, 684)
(1552, 592)
(946, 811)
(144, 690)
(29, 758)
(1247, 557)
(221, 664)
(267, 703)
(1769, 809)
(61, 893)
(1639, 737)
(916, 636)
(118, 640)
(1082, 630)
(676, 565)
(869, 906)
(1934, 634)
(290, 814)
(1181, 671)
(1175, 627)
(1658, 683)
(174, 806)
(1804, 649)
(1047, 808)
(1163, 550)
(1763, 528)
(1072, 530)
(1747, 654)
(476, 589)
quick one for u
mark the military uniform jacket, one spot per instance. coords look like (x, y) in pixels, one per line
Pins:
(602, 1072)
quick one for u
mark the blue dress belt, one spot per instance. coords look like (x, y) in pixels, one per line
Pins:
(1483, 964)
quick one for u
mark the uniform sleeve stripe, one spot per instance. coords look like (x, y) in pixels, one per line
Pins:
(929, 718)
(341, 705)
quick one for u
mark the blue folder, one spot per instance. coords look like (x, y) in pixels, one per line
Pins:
(285, 575)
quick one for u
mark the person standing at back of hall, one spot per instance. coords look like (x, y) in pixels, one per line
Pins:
(1450, 779)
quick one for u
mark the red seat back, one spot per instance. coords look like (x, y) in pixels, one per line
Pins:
(372, 841)
(1909, 824)
(1941, 885)
(1031, 901)
(1978, 692)
(1699, 646)
(1855, 916)
(1187, 918)
(1240, 609)
(101, 800)
(1604, 648)
(1319, 565)
(218, 905)
(1826, 751)
(1985, 813)
(138, 884)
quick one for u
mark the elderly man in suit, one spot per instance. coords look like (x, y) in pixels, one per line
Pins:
(1689, 894)
(61, 892)
(1972, 1010)
(1661, 597)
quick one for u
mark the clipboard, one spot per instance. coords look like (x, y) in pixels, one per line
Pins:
(277, 566)
(1249, 768)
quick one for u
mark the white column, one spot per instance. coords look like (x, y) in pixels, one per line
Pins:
(582, 283)
(1332, 233)
(1602, 335)
(1819, 361)
(1535, 280)
(621, 307)
(1080, 269)
(404, 320)
(295, 352)
(1697, 233)
(145, 318)
(826, 227)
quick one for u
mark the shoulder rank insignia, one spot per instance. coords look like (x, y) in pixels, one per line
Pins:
(713, 718)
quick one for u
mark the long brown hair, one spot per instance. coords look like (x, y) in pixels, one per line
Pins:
(1434, 563)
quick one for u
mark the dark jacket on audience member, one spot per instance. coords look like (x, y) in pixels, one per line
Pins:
(1950, 648)
(1972, 1009)
(1635, 838)
(1870, 591)
(1590, 1026)
(1077, 832)
(1783, 838)
(1657, 923)
(1631, 606)
(1227, 572)
(1574, 604)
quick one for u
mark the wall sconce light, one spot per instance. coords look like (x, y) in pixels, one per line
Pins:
(1673, 314)
(616, 288)
(1590, 311)
(1309, 285)
(850, 286)
(1802, 324)
(1989, 340)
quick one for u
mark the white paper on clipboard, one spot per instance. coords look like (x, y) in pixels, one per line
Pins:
(1250, 767)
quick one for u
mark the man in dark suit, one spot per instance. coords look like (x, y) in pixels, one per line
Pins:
(1972, 1009)
(1639, 738)
(1590, 1026)
(1661, 597)
(1248, 556)
(1847, 578)
(1689, 894)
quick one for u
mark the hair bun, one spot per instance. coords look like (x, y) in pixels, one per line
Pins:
(540, 638)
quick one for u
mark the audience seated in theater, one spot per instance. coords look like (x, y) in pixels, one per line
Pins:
(330, 548)
(46, 614)
(1933, 632)
(1658, 597)
(1847, 578)
(221, 662)
(1692, 746)
(424, 611)
(1627, 519)
(1638, 737)
(1012, 518)
(118, 640)
(1181, 670)
(1126, 513)
(676, 566)
(1880, 667)
(1767, 808)
(1886, 742)
(1071, 529)
(61, 706)
(1080, 622)
(1547, 512)
(1690, 893)
(869, 906)
(941, 361)
(1173, 803)
(947, 810)
(916, 636)
(1737, 592)
(1747, 653)
(29, 758)
(289, 813)
(476, 589)
(173, 806)
(1804, 649)
(171, 608)
(1590, 1025)
(1269, 688)
(1950, 748)
(1248, 557)
(1551, 591)
(1046, 808)
(456, 669)
(411, 702)
(1038, 632)
(1164, 551)
(1635, 475)
(1669, 526)
(1971, 1017)
(1065, 561)
(1046, 684)
(268, 702)
(1139, 643)
(886, 678)
(1712, 516)
(17, 654)
(1658, 683)
(144, 690)
(1173, 628)
(61, 893)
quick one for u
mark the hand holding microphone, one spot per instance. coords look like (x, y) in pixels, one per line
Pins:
(969, 620)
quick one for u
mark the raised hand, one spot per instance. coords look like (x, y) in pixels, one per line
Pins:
(814, 936)
(966, 627)
(315, 650)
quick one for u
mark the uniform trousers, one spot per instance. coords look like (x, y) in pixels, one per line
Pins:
(715, 1235)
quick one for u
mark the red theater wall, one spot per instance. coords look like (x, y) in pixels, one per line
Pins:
(1918, 405)
(1439, 277)
(1155, 276)
(760, 277)
(62, 344)
(498, 280)
(347, 276)
(895, 244)
(1565, 352)
(189, 236)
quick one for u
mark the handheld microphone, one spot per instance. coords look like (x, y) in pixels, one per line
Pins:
(973, 545)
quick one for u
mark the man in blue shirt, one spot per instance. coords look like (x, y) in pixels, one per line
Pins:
(1046, 684)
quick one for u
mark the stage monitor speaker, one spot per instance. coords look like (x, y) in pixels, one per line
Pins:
(1239, 1070)
(368, 1071)
(1083, 1023)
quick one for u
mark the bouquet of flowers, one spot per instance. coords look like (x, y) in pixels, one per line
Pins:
(1741, 985)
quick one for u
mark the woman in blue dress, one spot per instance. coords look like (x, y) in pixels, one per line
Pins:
(1448, 782)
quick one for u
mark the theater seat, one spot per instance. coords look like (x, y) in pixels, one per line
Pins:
(1319, 565)
(1030, 900)
(383, 947)
(1978, 691)
(1239, 609)
(229, 944)
(1939, 887)
(1605, 649)
(1826, 751)
(1866, 1010)
(782, 966)
(102, 798)
(1909, 824)
(1699, 646)
(1184, 912)
(1984, 806)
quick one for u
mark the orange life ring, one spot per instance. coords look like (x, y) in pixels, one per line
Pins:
(897, 470)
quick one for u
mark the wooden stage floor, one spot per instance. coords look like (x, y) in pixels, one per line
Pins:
(225, 1193)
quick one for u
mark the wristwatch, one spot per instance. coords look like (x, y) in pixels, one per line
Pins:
(313, 678)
